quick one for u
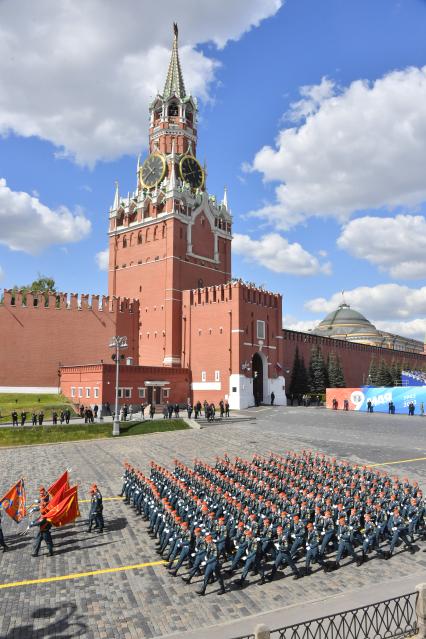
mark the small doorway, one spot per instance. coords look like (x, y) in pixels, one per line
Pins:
(257, 369)
(154, 394)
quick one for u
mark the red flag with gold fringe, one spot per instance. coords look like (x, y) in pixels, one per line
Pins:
(66, 511)
(13, 502)
(57, 485)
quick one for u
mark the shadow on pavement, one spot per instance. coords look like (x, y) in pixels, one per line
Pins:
(60, 621)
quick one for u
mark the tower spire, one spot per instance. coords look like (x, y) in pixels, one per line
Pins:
(174, 81)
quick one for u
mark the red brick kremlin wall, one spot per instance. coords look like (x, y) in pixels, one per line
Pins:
(355, 358)
(35, 339)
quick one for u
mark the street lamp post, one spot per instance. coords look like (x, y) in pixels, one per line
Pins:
(117, 343)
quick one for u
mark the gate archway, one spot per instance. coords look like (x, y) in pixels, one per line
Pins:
(257, 370)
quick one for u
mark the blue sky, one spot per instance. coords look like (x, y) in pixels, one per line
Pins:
(312, 112)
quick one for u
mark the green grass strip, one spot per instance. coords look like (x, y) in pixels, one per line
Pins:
(52, 434)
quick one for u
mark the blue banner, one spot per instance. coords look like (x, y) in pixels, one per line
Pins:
(381, 397)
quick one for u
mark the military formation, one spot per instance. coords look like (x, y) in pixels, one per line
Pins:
(262, 515)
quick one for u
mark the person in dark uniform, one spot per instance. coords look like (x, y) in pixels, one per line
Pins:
(43, 533)
(34, 418)
(15, 418)
(67, 416)
(54, 418)
(23, 418)
(96, 510)
(272, 398)
(40, 418)
(2, 541)
(212, 566)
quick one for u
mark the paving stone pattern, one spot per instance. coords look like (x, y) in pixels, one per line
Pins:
(148, 602)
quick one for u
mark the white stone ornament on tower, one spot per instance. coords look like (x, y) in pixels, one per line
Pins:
(116, 203)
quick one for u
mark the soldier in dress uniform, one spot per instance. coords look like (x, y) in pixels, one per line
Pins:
(96, 517)
(212, 566)
(43, 533)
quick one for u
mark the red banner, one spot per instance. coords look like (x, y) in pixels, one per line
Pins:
(66, 511)
(57, 485)
(13, 502)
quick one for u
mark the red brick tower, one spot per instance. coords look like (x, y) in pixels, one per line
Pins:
(170, 234)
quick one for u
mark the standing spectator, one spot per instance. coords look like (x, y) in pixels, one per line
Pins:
(23, 417)
(40, 418)
(125, 411)
(67, 416)
(62, 417)
(226, 408)
(95, 411)
(130, 413)
(170, 409)
(222, 408)
(108, 408)
(34, 418)
(422, 409)
(411, 408)
(86, 416)
(15, 418)
(54, 417)
(345, 404)
(152, 410)
(176, 410)
(369, 406)
(82, 411)
(206, 407)
(272, 398)
(166, 411)
(189, 410)
(143, 412)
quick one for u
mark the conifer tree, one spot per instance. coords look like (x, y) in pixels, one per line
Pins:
(299, 377)
(384, 377)
(336, 378)
(317, 371)
(373, 373)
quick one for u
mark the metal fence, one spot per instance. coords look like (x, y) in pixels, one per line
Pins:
(389, 619)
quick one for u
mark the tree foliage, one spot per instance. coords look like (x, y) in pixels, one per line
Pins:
(299, 377)
(317, 371)
(336, 378)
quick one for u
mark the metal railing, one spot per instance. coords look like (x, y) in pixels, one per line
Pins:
(389, 619)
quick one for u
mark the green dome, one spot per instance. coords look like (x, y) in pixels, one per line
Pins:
(345, 321)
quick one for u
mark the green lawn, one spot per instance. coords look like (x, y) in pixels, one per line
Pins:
(31, 402)
(51, 434)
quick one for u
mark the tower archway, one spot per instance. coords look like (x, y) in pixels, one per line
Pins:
(258, 375)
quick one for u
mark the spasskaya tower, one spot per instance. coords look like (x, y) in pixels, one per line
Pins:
(169, 235)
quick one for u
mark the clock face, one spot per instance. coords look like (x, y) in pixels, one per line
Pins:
(191, 171)
(153, 170)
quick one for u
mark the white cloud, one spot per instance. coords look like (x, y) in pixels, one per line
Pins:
(381, 302)
(1, 273)
(416, 328)
(28, 225)
(363, 147)
(102, 259)
(396, 245)
(277, 254)
(295, 324)
(390, 307)
(81, 74)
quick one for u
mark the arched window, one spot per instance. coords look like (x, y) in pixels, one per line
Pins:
(147, 235)
(139, 237)
(124, 241)
(155, 232)
(163, 232)
(173, 109)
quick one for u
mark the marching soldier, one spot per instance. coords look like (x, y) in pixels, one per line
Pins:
(212, 566)
(43, 533)
(96, 510)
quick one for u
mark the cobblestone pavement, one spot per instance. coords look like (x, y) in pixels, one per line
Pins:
(147, 602)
